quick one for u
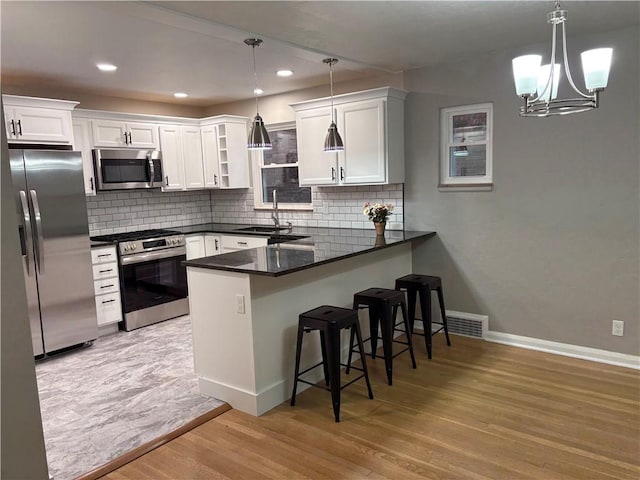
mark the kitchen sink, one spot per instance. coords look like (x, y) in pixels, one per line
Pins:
(262, 229)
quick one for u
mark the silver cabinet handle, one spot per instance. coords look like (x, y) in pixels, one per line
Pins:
(107, 286)
(108, 301)
(333, 173)
(105, 271)
(13, 127)
(341, 173)
(19, 127)
(126, 139)
(92, 187)
(166, 179)
(242, 243)
(38, 231)
(215, 179)
(216, 244)
(104, 255)
(130, 141)
(27, 229)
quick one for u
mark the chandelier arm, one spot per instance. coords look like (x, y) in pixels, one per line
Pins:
(549, 84)
(566, 65)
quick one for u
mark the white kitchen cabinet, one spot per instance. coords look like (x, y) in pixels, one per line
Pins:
(371, 124)
(82, 144)
(117, 134)
(212, 244)
(181, 157)
(199, 245)
(195, 246)
(106, 284)
(225, 153)
(38, 120)
(232, 243)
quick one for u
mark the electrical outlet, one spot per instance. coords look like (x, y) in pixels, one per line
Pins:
(617, 328)
(240, 303)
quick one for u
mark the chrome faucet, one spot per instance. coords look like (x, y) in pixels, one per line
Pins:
(274, 215)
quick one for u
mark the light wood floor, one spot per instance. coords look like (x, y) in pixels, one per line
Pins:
(478, 410)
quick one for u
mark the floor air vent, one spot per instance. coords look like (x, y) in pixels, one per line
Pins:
(467, 324)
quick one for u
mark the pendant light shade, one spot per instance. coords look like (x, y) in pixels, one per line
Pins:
(333, 141)
(258, 136)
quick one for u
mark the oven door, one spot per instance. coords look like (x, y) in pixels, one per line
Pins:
(153, 278)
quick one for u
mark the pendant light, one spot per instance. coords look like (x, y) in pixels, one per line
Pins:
(538, 84)
(258, 136)
(333, 142)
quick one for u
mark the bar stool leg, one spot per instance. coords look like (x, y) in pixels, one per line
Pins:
(333, 357)
(351, 338)
(373, 329)
(411, 298)
(325, 366)
(297, 372)
(425, 305)
(356, 327)
(403, 307)
(387, 324)
(444, 315)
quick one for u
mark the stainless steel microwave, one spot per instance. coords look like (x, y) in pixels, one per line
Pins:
(122, 169)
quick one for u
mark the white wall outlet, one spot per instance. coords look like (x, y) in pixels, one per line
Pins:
(240, 303)
(617, 328)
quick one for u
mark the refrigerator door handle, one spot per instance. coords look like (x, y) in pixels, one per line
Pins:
(38, 232)
(27, 229)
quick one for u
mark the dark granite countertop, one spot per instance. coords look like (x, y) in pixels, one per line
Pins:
(98, 244)
(320, 246)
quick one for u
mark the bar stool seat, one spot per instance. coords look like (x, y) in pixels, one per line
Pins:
(383, 306)
(418, 285)
(329, 321)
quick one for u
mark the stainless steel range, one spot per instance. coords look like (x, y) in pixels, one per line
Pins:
(153, 280)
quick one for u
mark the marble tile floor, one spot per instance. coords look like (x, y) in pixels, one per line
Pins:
(127, 389)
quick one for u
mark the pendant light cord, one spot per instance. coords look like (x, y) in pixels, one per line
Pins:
(255, 78)
(333, 120)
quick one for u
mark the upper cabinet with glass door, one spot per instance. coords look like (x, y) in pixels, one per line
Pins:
(371, 124)
(466, 156)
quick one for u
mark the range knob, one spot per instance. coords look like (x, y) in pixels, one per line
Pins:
(126, 248)
(134, 246)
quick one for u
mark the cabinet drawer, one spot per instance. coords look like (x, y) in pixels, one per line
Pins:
(232, 242)
(107, 285)
(103, 255)
(105, 270)
(108, 308)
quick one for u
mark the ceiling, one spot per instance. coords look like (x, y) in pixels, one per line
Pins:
(197, 47)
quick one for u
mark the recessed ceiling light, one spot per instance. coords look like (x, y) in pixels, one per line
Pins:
(180, 95)
(284, 73)
(106, 67)
(258, 91)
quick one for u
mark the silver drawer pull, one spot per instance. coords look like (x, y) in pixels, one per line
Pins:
(105, 271)
(108, 301)
(104, 255)
(242, 243)
(107, 286)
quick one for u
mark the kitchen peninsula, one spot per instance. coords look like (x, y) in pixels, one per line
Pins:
(244, 305)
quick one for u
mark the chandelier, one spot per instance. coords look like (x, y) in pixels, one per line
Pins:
(538, 84)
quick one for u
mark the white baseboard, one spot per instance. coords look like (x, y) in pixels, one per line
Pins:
(566, 349)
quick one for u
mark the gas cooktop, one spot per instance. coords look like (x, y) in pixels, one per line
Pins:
(130, 236)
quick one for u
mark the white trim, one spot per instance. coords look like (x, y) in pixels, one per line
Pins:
(37, 102)
(566, 349)
(371, 94)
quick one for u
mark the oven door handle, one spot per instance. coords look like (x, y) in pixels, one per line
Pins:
(150, 256)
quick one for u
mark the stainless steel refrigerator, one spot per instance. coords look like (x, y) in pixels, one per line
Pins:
(56, 251)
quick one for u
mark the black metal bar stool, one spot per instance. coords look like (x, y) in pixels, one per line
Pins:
(422, 285)
(329, 321)
(383, 306)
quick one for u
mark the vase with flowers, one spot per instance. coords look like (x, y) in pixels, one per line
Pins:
(378, 213)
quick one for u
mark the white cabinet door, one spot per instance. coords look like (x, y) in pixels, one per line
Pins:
(212, 245)
(210, 156)
(234, 158)
(315, 166)
(113, 134)
(192, 154)
(195, 246)
(142, 135)
(82, 144)
(172, 157)
(9, 123)
(109, 133)
(42, 125)
(363, 131)
(108, 308)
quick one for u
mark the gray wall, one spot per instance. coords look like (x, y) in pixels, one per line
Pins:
(552, 251)
(23, 452)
